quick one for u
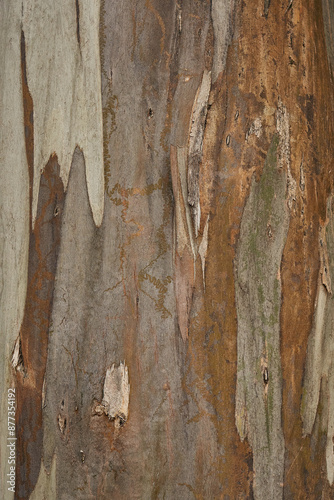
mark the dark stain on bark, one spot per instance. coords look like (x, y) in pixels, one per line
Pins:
(307, 105)
(43, 253)
(28, 115)
(77, 10)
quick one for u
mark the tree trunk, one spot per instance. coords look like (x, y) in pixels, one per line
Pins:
(167, 223)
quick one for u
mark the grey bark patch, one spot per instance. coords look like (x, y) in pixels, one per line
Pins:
(258, 301)
(64, 381)
(222, 12)
(46, 486)
(320, 349)
(67, 111)
(142, 46)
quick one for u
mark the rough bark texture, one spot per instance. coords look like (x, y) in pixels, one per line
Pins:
(167, 248)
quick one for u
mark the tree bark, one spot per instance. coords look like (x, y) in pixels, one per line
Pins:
(167, 249)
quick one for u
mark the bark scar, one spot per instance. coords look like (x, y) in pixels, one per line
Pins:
(184, 241)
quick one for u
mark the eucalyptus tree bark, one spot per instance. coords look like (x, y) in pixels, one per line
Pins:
(167, 249)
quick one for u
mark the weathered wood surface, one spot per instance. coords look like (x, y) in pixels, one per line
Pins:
(167, 248)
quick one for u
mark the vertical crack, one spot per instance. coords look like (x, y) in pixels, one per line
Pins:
(28, 115)
(77, 9)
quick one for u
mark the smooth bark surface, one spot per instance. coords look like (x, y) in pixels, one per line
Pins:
(167, 248)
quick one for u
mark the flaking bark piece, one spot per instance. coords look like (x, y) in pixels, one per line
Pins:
(116, 394)
(184, 241)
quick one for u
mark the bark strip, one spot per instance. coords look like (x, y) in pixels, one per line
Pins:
(184, 242)
(320, 350)
(263, 233)
(30, 353)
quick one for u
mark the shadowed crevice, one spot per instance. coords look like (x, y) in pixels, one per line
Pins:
(28, 116)
(77, 10)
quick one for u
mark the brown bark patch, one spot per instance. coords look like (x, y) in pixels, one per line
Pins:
(43, 252)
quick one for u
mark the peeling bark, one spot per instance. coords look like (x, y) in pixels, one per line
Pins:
(185, 245)
(116, 394)
(67, 109)
(196, 135)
